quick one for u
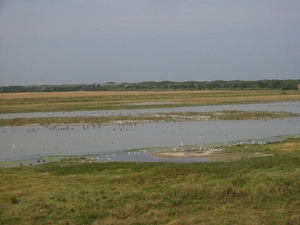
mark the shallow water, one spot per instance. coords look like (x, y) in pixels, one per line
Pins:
(33, 142)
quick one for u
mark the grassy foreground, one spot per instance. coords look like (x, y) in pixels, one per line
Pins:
(263, 190)
(72, 101)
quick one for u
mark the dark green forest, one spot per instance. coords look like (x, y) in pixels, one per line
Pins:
(162, 85)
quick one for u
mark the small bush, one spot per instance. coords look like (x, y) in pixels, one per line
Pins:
(13, 199)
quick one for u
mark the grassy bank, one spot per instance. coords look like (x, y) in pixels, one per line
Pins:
(262, 190)
(71, 101)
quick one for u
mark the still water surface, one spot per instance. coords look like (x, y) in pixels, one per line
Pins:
(33, 142)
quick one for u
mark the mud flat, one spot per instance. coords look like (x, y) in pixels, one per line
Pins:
(216, 155)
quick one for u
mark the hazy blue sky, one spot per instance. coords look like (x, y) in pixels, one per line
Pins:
(97, 41)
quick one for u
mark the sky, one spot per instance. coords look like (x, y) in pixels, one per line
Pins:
(97, 41)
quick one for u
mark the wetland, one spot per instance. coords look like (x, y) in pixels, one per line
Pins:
(99, 134)
(210, 158)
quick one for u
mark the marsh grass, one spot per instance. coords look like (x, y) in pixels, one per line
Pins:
(71, 101)
(145, 118)
(77, 120)
(262, 190)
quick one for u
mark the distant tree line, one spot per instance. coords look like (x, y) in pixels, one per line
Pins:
(162, 85)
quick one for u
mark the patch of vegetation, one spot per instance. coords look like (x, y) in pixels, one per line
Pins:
(13, 199)
(146, 118)
(262, 190)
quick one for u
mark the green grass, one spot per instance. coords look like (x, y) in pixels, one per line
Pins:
(262, 190)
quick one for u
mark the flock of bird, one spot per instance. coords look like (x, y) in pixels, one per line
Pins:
(119, 126)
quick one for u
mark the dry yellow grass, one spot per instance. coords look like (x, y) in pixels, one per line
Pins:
(93, 93)
(68, 94)
(289, 147)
